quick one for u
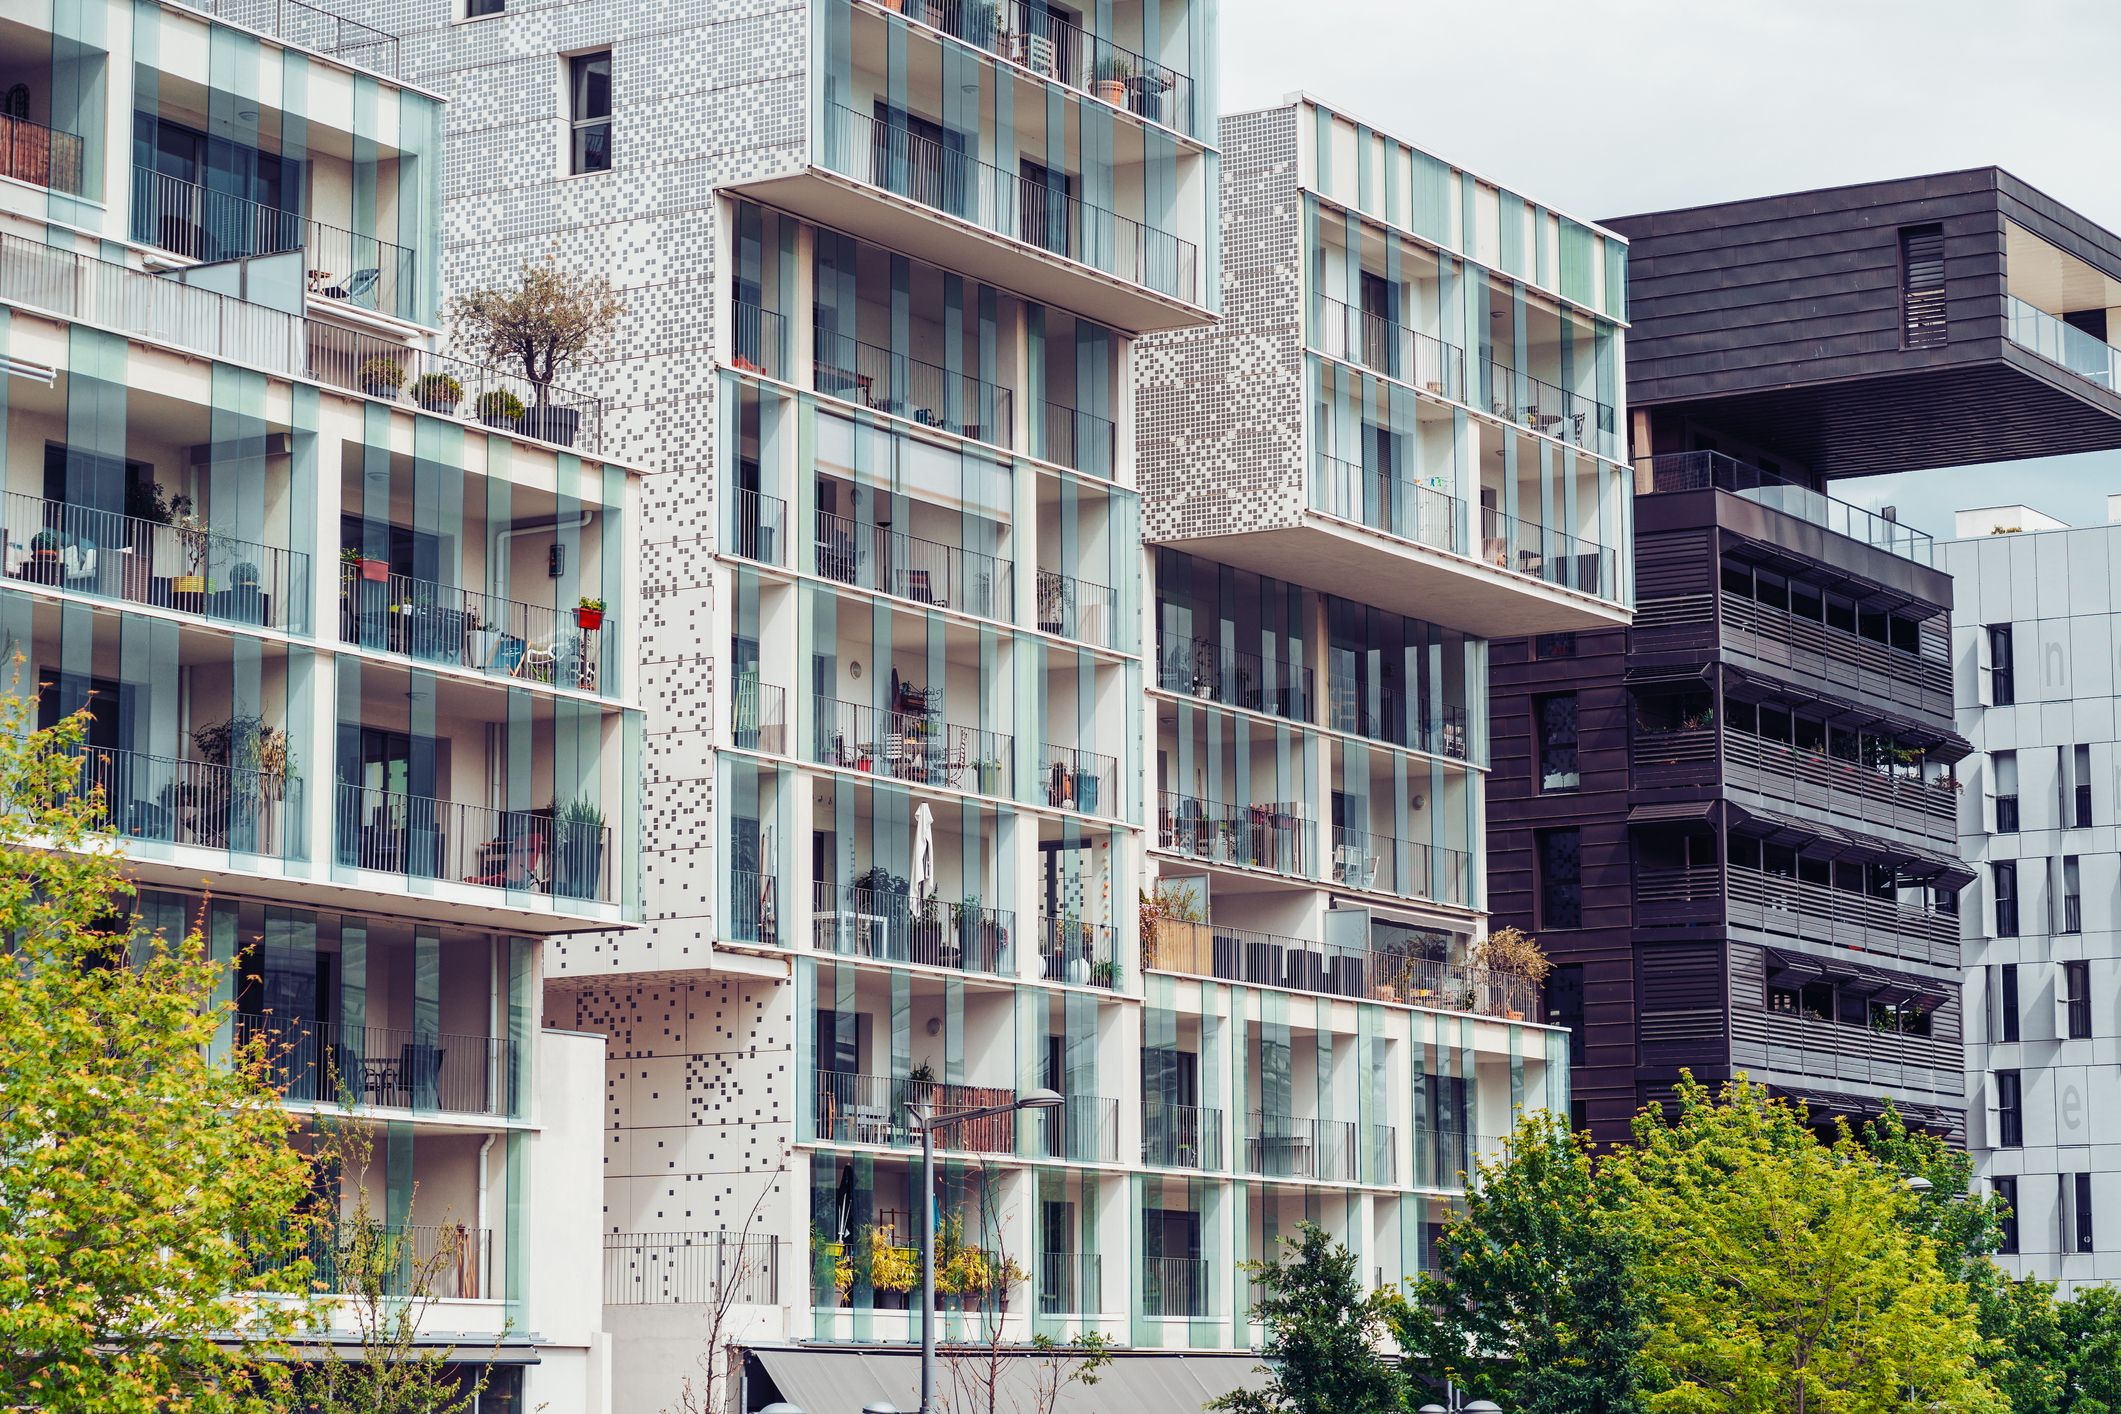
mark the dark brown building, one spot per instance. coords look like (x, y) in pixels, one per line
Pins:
(1733, 826)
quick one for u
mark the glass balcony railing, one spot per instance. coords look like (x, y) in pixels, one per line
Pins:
(179, 800)
(2054, 339)
(904, 386)
(422, 837)
(460, 628)
(1696, 471)
(331, 1063)
(1383, 346)
(1044, 214)
(41, 156)
(1421, 511)
(1070, 778)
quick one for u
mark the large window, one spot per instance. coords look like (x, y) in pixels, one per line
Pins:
(2007, 1002)
(2082, 1210)
(589, 112)
(1556, 725)
(2072, 892)
(1560, 878)
(2002, 666)
(2081, 788)
(2003, 767)
(1922, 306)
(2010, 1111)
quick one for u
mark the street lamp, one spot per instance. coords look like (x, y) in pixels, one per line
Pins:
(926, 1122)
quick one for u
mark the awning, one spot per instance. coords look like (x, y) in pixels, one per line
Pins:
(1820, 838)
(1664, 674)
(829, 1380)
(1825, 1104)
(1665, 812)
(1882, 984)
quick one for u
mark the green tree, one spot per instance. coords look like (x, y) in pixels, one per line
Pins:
(1323, 1335)
(1535, 1302)
(1782, 1273)
(143, 1186)
(2091, 1337)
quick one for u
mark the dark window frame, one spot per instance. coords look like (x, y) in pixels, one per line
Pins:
(2002, 667)
(587, 153)
(1557, 732)
(2003, 875)
(2077, 1000)
(1558, 893)
(2005, 1187)
(2010, 1110)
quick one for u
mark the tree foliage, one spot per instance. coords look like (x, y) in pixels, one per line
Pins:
(1324, 1335)
(546, 321)
(143, 1185)
(1534, 1302)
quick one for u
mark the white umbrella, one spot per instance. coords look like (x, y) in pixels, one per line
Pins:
(923, 856)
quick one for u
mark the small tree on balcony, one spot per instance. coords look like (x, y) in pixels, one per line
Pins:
(546, 321)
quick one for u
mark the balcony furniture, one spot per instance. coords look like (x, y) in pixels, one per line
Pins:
(420, 1075)
(360, 284)
(1035, 52)
(513, 862)
(854, 934)
(921, 590)
(836, 557)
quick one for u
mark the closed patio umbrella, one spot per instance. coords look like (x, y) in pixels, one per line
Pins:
(923, 856)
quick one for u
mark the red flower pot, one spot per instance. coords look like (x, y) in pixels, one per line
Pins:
(589, 618)
(375, 571)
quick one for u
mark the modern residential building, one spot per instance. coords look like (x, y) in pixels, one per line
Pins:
(1748, 861)
(343, 714)
(2035, 653)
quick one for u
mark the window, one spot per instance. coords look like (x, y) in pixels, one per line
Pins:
(589, 112)
(2002, 669)
(480, 9)
(1922, 308)
(2077, 1000)
(1555, 721)
(1554, 645)
(1560, 878)
(2081, 774)
(1565, 1006)
(2007, 1003)
(2006, 878)
(2006, 1189)
(2010, 1111)
(2003, 770)
(2072, 896)
(2083, 1207)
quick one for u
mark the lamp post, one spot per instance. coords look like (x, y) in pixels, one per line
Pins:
(926, 1122)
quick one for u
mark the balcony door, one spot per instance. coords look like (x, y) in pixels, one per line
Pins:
(212, 198)
(919, 158)
(1048, 200)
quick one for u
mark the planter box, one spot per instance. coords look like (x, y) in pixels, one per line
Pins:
(589, 618)
(375, 571)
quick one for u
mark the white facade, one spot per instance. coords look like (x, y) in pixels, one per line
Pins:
(2041, 929)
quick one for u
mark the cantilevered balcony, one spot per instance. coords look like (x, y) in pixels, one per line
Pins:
(1077, 609)
(181, 800)
(1384, 972)
(395, 1067)
(1284, 1146)
(1383, 346)
(884, 925)
(443, 624)
(911, 567)
(1515, 396)
(1773, 902)
(1181, 1136)
(1071, 778)
(1085, 1129)
(903, 386)
(1194, 667)
(1378, 863)
(1078, 439)
(452, 1262)
(920, 747)
(1077, 952)
(852, 1108)
(1274, 835)
(524, 851)
(1696, 471)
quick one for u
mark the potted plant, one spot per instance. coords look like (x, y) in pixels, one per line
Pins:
(247, 602)
(437, 392)
(500, 408)
(580, 851)
(195, 538)
(892, 1268)
(44, 549)
(145, 509)
(549, 319)
(1086, 784)
(589, 612)
(1110, 79)
(1104, 973)
(987, 772)
(381, 376)
(1516, 960)
(480, 639)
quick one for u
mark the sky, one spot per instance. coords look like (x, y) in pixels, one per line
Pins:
(1609, 107)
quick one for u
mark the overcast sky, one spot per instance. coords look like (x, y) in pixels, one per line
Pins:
(1609, 107)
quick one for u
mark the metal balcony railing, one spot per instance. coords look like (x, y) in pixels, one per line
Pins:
(1070, 1283)
(1085, 1129)
(1197, 668)
(1079, 953)
(385, 1066)
(1900, 798)
(1777, 903)
(1041, 213)
(449, 1262)
(43, 157)
(461, 628)
(1077, 608)
(758, 526)
(308, 27)
(904, 386)
(1862, 665)
(758, 715)
(188, 568)
(179, 801)
(423, 837)
(1070, 778)
(754, 908)
(1282, 1146)
(691, 1268)
(912, 746)
(909, 567)
(1386, 973)
(1384, 500)
(1389, 716)
(1181, 1136)
(1532, 402)
(851, 1108)
(1274, 836)
(853, 921)
(1174, 1287)
(1383, 346)
(1695, 471)
(1410, 868)
(758, 340)
(1074, 438)
(1544, 553)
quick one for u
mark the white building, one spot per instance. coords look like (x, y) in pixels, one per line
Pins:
(2037, 637)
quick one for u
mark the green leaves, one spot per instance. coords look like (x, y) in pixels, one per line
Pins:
(1324, 1335)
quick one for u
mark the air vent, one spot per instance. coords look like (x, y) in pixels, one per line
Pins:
(1922, 287)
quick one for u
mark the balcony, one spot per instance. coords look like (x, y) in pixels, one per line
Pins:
(206, 573)
(1379, 863)
(1376, 973)
(308, 27)
(758, 340)
(451, 627)
(1440, 731)
(2086, 355)
(758, 526)
(920, 747)
(176, 800)
(1847, 789)
(1174, 1287)
(1357, 336)
(1777, 903)
(1857, 1058)
(1078, 953)
(185, 218)
(886, 926)
(1422, 512)
(902, 386)
(1274, 836)
(1541, 552)
(1085, 1130)
(1077, 609)
(871, 1109)
(1697, 471)
(317, 1062)
(1282, 1146)
(1193, 667)
(905, 566)
(524, 851)
(671, 1268)
(1857, 668)
(1084, 781)
(1181, 1136)
(1070, 437)
(1530, 402)
(758, 715)
(1070, 1283)
(452, 1261)
(42, 157)
(1682, 757)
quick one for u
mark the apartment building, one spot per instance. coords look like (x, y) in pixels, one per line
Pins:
(2034, 653)
(317, 591)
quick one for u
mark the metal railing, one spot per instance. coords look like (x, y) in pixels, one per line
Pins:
(1282, 1146)
(1784, 771)
(691, 1268)
(1081, 954)
(1696, 471)
(1070, 1283)
(422, 837)
(758, 526)
(758, 715)
(1383, 500)
(1181, 1136)
(1377, 343)
(1074, 438)
(1398, 720)
(1023, 208)
(108, 555)
(754, 907)
(926, 571)
(758, 340)
(45, 157)
(1532, 402)
(389, 1066)
(2058, 341)
(1802, 908)
(912, 746)
(1077, 608)
(1544, 553)
(1174, 1286)
(449, 387)
(887, 926)
(449, 1262)
(1410, 868)
(1384, 973)
(179, 801)
(309, 27)
(1085, 1129)
(461, 628)
(901, 385)
(1273, 836)
(1070, 778)
(1235, 678)
(851, 1108)
(1872, 669)
(191, 220)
